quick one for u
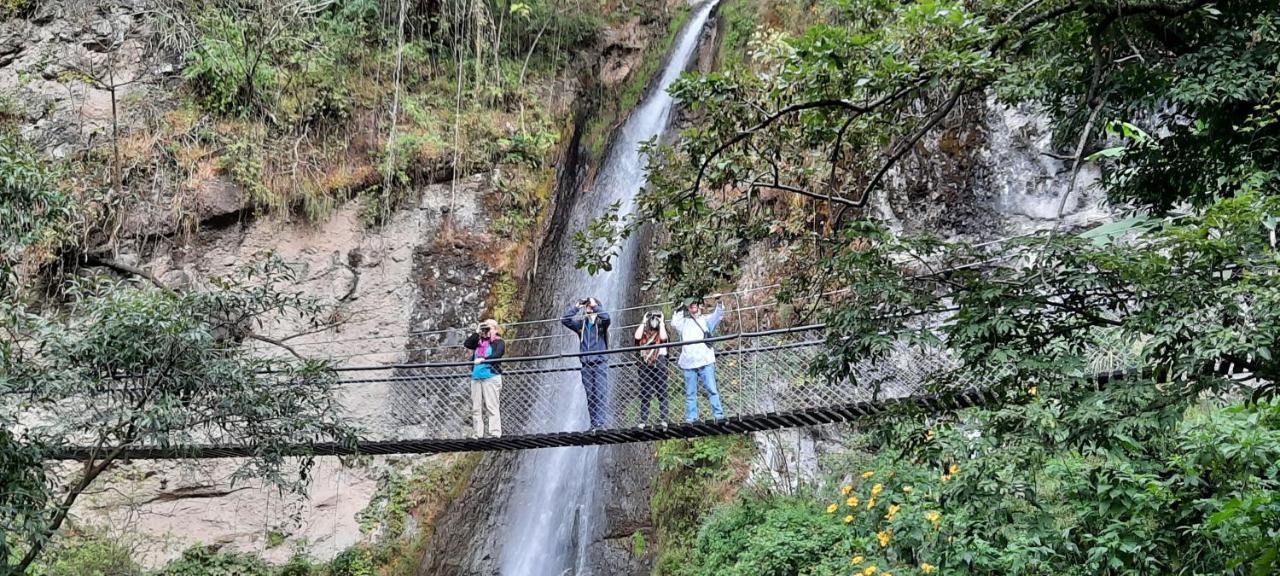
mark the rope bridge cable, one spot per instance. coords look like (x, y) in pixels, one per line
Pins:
(766, 381)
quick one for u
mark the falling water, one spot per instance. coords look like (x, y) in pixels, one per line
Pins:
(552, 511)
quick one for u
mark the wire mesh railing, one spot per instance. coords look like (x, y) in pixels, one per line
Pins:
(755, 373)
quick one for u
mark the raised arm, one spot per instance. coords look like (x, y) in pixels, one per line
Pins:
(602, 316)
(677, 320)
(715, 317)
(662, 330)
(639, 332)
(569, 320)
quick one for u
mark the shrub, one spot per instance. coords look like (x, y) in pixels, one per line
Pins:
(15, 8)
(36, 214)
(92, 555)
(201, 560)
(230, 69)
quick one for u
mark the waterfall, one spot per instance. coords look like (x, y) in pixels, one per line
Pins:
(553, 507)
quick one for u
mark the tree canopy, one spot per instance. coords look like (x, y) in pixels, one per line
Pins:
(1176, 101)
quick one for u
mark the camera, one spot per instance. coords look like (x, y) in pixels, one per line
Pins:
(652, 314)
(483, 328)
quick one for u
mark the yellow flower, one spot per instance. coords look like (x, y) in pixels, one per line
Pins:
(877, 489)
(906, 489)
(852, 502)
(857, 560)
(845, 490)
(934, 517)
(868, 474)
(1031, 390)
(946, 477)
(848, 519)
(954, 469)
(871, 503)
(883, 536)
(832, 509)
(886, 574)
(927, 568)
(893, 511)
(928, 435)
(868, 571)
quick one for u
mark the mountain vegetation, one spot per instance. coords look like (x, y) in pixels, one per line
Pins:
(1135, 428)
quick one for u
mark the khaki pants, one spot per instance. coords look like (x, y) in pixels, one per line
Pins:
(484, 402)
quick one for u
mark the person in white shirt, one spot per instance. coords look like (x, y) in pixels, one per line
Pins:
(698, 360)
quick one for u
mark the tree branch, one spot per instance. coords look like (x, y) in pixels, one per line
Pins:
(803, 192)
(856, 109)
(906, 145)
(90, 260)
(275, 342)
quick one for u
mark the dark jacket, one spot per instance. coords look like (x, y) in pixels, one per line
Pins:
(497, 347)
(589, 340)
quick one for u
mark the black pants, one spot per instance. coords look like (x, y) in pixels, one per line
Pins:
(653, 386)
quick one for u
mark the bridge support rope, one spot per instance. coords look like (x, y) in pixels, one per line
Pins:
(734, 425)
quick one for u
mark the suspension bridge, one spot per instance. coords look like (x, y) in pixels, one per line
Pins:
(766, 381)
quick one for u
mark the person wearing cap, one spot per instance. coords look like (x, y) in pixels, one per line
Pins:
(590, 322)
(486, 376)
(698, 360)
(652, 368)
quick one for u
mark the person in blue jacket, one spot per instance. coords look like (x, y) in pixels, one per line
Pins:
(591, 323)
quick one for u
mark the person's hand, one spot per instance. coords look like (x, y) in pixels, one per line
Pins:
(477, 360)
(716, 296)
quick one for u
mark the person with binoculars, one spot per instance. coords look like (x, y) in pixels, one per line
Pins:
(590, 322)
(698, 360)
(486, 376)
(653, 365)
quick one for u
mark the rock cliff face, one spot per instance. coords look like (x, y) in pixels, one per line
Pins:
(430, 266)
(384, 283)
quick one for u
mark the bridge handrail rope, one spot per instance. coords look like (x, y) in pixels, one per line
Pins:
(609, 352)
(622, 329)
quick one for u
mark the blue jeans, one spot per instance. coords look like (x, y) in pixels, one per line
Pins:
(708, 374)
(595, 382)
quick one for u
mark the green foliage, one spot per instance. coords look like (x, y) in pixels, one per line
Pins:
(356, 561)
(15, 8)
(1177, 101)
(244, 162)
(93, 554)
(203, 560)
(275, 538)
(689, 474)
(911, 64)
(230, 68)
(1193, 494)
(38, 215)
(638, 544)
(774, 538)
(271, 59)
(123, 365)
(22, 491)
